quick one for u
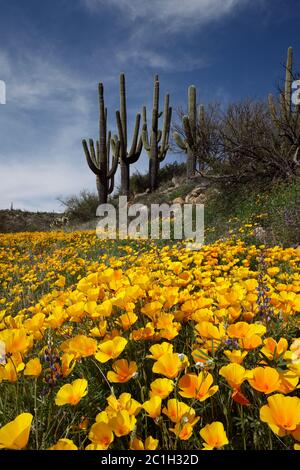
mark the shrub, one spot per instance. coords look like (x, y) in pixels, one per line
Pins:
(82, 207)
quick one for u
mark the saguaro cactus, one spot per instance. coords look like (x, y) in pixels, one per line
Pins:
(126, 157)
(286, 95)
(157, 152)
(286, 116)
(99, 159)
(190, 142)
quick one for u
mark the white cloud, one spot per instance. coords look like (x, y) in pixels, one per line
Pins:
(33, 80)
(175, 14)
(38, 186)
(48, 112)
(142, 57)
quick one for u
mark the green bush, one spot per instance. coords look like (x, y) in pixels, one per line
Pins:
(82, 207)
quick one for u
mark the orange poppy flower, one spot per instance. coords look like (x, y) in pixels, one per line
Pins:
(282, 414)
(214, 436)
(169, 365)
(161, 388)
(123, 371)
(264, 379)
(101, 435)
(197, 386)
(110, 349)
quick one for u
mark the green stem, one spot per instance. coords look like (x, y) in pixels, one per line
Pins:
(36, 415)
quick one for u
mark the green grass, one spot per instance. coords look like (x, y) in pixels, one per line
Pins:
(275, 208)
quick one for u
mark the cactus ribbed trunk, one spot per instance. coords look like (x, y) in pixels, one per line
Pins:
(190, 163)
(288, 80)
(125, 178)
(102, 190)
(154, 163)
(153, 174)
(156, 151)
(126, 156)
(190, 142)
(191, 166)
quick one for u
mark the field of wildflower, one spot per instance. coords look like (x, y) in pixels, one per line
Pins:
(136, 345)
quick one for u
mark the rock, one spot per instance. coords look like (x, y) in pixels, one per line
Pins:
(201, 199)
(59, 222)
(176, 181)
(260, 233)
(137, 195)
(178, 200)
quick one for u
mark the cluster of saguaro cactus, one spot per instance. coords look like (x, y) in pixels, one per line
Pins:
(158, 144)
(126, 157)
(99, 159)
(190, 142)
(286, 115)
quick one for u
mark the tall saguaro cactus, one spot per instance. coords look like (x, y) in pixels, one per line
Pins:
(156, 151)
(189, 143)
(126, 157)
(286, 115)
(99, 159)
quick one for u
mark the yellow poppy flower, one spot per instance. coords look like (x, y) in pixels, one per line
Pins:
(71, 394)
(214, 436)
(15, 434)
(64, 444)
(282, 414)
(110, 349)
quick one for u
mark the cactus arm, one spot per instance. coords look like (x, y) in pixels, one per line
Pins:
(133, 150)
(288, 80)
(113, 143)
(145, 137)
(166, 120)
(115, 162)
(111, 185)
(192, 109)
(121, 136)
(202, 115)
(108, 145)
(98, 154)
(166, 129)
(169, 123)
(188, 131)
(92, 151)
(155, 112)
(180, 142)
(272, 108)
(89, 154)
(105, 121)
(123, 110)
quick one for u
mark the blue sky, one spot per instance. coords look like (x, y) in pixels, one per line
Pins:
(53, 54)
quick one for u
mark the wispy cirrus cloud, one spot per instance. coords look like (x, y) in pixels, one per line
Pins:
(174, 14)
(33, 80)
(157, 29)
(142, 57)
